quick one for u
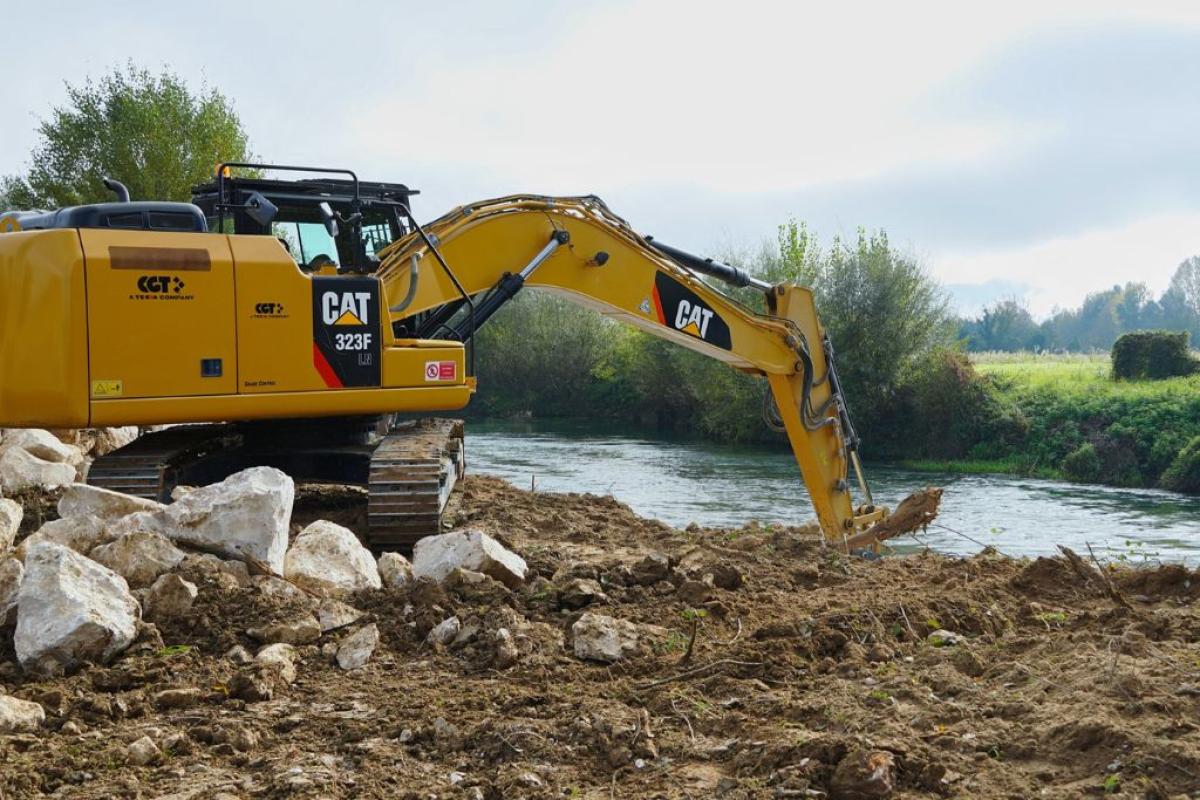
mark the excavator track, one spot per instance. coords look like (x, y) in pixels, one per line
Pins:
(413, 472)
(409, 472)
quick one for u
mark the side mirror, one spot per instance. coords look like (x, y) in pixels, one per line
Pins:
(329, 218)
(260, 209)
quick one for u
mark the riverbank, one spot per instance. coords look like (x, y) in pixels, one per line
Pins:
(754, 664)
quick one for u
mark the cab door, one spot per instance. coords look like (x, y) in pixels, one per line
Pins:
(160, 314)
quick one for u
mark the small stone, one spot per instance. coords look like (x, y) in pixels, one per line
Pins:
(12, 575)
(580, 592)
(506, 649)
(142, 752)
(395, 570)
(170, 597)
(445, 631)
(333, 614)
(178, 698)
(70, 728)
(239, 655)
(696, 593)
(238, 570)
(356, 649)
(281, 657)
(446, 734)
(864, 775)
(435, 557)
(300, 630)
(252, 686)
(945, 638)
(650, 570)
(11, 514)
(726, 576)
(277, 588)
(602, 638)
(20, 716)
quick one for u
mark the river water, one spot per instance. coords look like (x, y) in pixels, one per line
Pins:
(727, 485)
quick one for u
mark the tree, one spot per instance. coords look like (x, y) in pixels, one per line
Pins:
(1006, 325)
(151, 132)
(1186, 282)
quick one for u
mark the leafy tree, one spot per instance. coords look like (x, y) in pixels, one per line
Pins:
(1005, 325)
(149, 131)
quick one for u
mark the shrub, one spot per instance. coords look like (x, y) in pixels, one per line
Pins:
(1184, 473)
(945, 409)
(1082, 464)
(1142, 355)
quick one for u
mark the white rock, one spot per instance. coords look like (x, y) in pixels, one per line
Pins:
(239, 655)
(81, 534)
(82, 500)
(333, 614)
(142, 752)
(328, 558)
(303, 629)
(603, 638)
(270, 586)
(282, 657)
(435, 557)
(945, 638)
(109, 439)
(356, 649)
(445, 631)
(12, 574)
(44, 445)
(71, 609)
(247, 514)
(22, 470)
(170, 597)
(20, 716)
(11, 514)
(395, 570)
(139, 557)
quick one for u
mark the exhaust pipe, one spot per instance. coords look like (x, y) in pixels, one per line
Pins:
(118, 188)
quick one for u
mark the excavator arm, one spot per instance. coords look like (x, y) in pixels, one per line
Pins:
(447, 278)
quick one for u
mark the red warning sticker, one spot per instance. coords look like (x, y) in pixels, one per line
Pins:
(441, 370)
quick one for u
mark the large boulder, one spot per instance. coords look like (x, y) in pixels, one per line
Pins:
(244, 516)
(436, 557)
(80, 500)
(11, 514)
(109, 439)
(12, 574)
(20, 716)
(20, 469)
(70, 610)
(81, 534)
(139, 557)
(44, 445)
(329, 559)
(598, 637)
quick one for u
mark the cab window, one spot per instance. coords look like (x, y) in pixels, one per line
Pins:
(308, 242)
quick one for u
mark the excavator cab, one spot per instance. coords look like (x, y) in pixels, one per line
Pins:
(327, 225)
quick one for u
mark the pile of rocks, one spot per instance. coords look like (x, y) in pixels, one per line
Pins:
(39, 459)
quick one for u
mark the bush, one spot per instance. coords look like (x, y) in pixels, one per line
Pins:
(1152, 355)
(1184, 473)
(1082, 464)
(945, 409)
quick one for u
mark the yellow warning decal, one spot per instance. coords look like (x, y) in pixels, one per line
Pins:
(108, 388)
(348, 318)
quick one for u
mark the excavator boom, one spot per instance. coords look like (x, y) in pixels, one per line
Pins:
(482, 254)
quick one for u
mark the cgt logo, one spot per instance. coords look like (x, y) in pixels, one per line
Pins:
(159, 284)
(269, 309)
(346, 308)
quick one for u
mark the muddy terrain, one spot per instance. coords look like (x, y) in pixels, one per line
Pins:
(759, 665)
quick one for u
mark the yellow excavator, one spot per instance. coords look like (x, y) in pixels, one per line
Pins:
(308, 323)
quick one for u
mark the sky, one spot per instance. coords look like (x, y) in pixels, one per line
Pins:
(1037, 150)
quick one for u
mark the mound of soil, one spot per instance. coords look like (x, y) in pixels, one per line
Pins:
(770, 667)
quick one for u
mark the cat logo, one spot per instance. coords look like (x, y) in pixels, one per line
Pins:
(680, 308)
(693, 319)
(346, 308)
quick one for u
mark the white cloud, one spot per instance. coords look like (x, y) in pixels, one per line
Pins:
(1064, 270)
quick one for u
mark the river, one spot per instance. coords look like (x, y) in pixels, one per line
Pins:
(727, 485)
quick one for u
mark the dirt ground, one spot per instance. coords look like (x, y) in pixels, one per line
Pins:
(754, 683)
